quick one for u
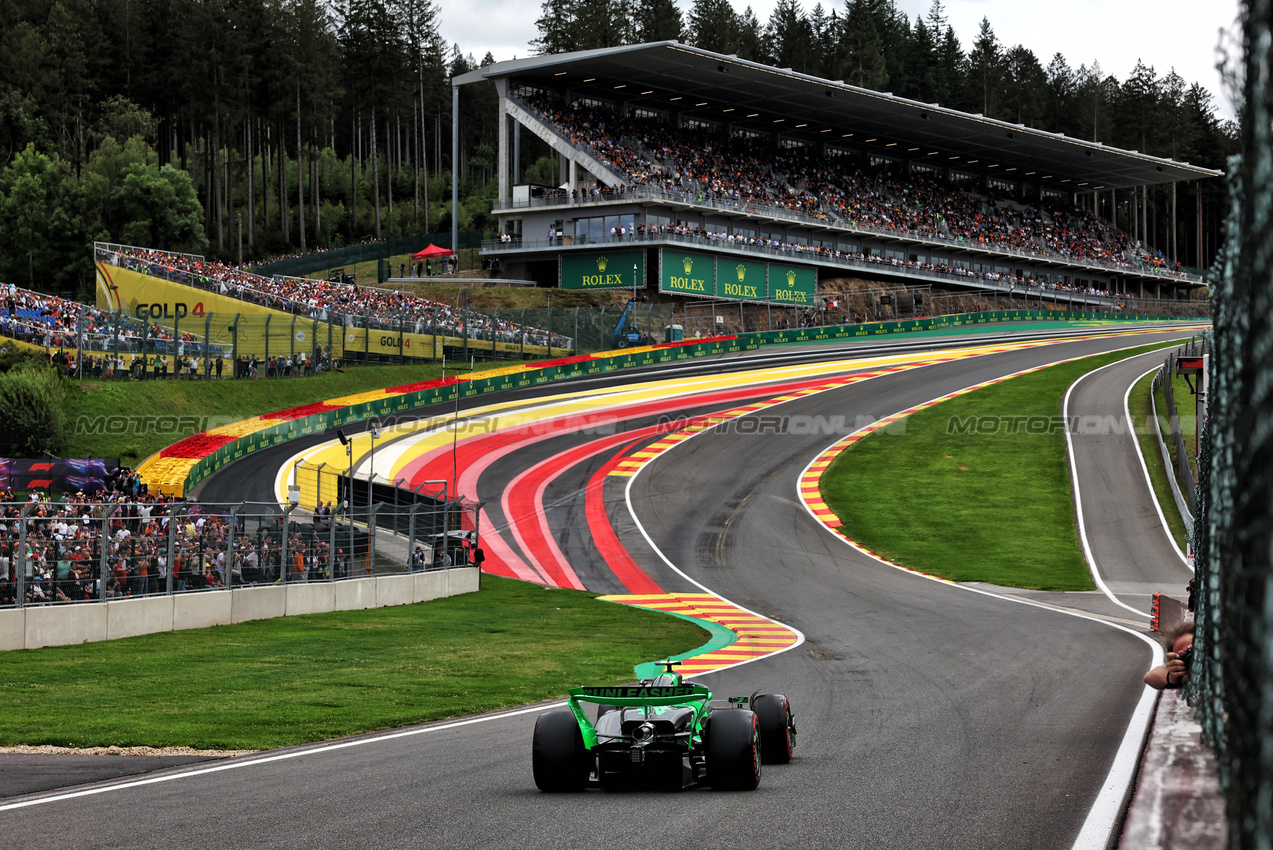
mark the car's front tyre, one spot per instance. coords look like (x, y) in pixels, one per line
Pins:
(777, 728)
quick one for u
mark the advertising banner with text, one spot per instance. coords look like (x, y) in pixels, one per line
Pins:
(740, 279)
(687, 273)
(794, 285)
(602, 269)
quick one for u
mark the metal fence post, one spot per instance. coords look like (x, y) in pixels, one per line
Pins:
(411, 536)
(371, 538)
(172, 550)
(230, 557)
(21, 561)
(284, 567)
(105, 543)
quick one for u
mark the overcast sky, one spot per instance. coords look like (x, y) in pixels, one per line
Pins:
(1165, 34)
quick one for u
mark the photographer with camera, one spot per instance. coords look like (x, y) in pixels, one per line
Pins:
(1179, 645)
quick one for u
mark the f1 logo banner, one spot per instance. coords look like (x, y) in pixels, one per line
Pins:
(602, 270)
(687, 273)
(794, 285)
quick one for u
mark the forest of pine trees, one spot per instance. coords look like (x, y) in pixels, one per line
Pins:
(299, 124)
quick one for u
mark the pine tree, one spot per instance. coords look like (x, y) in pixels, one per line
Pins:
(862, 61)
(659, 20)
(985, 76)
(713, 25)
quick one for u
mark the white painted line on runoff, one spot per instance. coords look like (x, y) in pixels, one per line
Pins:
(1144, 468)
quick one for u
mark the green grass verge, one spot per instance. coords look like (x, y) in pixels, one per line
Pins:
(989, 504)
(272, 683)
(133, 419)
(1142, 413)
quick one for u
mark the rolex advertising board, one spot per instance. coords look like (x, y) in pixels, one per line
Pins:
(687, 273)
(740, 279)
(794, 285)
(602, 270)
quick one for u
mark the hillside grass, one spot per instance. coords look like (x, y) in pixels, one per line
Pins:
(292, 680)
(986, 505)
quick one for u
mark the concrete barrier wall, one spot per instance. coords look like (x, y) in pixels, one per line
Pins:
(13, 628)
(258, 603)
(57, 625)
(61, 625)
(203, 609)
(431, 585)
(355, 593)
(132, 617)
(395, 590)
(314, 598)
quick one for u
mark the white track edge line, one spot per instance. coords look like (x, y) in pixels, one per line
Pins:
(1144, 466)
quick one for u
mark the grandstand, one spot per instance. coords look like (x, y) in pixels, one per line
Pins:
(704, 176)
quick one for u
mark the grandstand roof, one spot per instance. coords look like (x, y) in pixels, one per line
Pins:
(699, 84)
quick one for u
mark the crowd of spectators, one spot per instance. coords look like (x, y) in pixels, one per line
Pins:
(58, 323)
(67, 538)
(328, 300)
(709, 167)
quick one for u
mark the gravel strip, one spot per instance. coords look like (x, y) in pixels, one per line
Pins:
(125, 751)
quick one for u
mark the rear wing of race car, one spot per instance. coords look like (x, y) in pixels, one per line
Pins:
(651, 696)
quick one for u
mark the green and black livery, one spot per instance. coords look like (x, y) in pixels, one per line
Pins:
(661, 732)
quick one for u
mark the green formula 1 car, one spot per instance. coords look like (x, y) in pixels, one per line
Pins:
(661, 733)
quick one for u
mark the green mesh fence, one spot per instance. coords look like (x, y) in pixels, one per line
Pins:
(1231, 681)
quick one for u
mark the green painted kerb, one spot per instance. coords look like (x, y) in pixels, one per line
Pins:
(721, 638)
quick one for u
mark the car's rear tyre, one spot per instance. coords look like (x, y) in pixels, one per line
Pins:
(558, 756)
(733, 750)
(773, 716)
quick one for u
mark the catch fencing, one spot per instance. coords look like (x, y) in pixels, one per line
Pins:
(56, 554)
(1185, 477)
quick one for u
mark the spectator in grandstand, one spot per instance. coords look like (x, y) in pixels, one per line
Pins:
(1173, 672)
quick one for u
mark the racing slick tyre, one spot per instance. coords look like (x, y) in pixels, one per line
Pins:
(558, 755)
(777, 729)
(733, 750)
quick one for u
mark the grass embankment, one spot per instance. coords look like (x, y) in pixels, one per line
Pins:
(990, 503)
(133, 419)
(272, 683)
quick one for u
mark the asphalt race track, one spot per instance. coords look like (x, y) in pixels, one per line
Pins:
(930, 715)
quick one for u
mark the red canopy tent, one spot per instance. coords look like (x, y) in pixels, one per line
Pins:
(432, 251)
